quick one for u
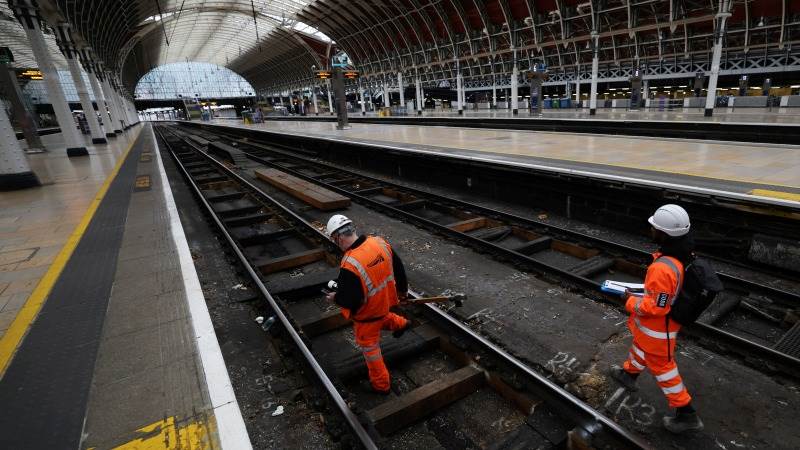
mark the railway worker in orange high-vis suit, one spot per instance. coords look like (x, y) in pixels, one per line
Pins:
(654, 333)
(371, 280)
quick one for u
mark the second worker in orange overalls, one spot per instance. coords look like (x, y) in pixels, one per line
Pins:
(371, 280)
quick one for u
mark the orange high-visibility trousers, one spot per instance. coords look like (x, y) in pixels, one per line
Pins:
(368, 337)
(664, 370)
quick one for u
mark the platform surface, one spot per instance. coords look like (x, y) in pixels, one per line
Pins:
(773, 169)
(775, 116)
(121, 351)
(36, 223)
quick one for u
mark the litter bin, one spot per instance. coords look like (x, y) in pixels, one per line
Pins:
(547, 103)
(565, 103)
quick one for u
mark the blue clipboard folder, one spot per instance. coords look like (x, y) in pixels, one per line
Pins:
(618, 288)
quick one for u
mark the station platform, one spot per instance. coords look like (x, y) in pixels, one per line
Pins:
(106, 338)
(721, 115)
(755, 172)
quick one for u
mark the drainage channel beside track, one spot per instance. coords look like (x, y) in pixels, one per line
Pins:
(749, 319)
(273, 243)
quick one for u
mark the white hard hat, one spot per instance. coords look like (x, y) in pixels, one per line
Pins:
(671, 219)
(336, 222)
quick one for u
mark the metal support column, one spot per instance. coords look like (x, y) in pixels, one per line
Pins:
(646, 93)
(99, 96)
(330, 98)
(31, 22)
(719, 36)
(578, 87)
(15, 173)
(514, 88)
(314, 99)
(386, 102)
(400, 87)
(460, 100)
(419, 99)
(8, 80)
(341, 99)
(361, 96)
(108, 93)
(120, 112)
(494, 93)
(595, 64)
(67, 47)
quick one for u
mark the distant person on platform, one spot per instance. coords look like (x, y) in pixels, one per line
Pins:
(654, 333)
(371, 280)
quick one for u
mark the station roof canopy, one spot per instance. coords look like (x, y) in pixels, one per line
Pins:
(274, 43)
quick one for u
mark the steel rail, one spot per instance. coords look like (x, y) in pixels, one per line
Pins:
(589, 419)
(786, 363)
(791, 298)
(341, 405)
(582, 414)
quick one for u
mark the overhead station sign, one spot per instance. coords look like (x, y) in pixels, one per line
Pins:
(30, 74)
(328, 75)
(350, 74)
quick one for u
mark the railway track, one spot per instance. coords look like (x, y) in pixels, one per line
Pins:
(274, 245)
(750, 319)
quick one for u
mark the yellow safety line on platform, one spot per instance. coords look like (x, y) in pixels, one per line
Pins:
(165, 434)
(19, 327)
(776, 194)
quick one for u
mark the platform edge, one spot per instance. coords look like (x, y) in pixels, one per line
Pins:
(230, 425)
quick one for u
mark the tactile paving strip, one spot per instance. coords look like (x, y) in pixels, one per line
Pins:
(45, 390)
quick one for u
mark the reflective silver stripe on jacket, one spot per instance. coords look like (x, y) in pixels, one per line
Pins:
(639, 352)
(653, 333)
(371, 289)
(677, 389)
(388, 251)
(668, 376)
(634, 362)
(678, 275)
(364, 276)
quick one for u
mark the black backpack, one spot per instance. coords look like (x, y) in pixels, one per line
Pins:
(700, 286)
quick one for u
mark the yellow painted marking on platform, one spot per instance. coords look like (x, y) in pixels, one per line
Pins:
(19, 327)
(165, 434)
(776, 194)
(143, 182)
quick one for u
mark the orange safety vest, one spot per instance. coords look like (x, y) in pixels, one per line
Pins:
(372, 263)
(652, 329)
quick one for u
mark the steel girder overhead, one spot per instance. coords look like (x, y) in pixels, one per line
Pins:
(133, 37)
(271, 45)
(484, 38)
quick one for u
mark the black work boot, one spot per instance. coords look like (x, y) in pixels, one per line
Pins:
(685, 419)
(627, 380)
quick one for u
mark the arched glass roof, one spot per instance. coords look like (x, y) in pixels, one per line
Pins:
(192, 80)
(219, 31)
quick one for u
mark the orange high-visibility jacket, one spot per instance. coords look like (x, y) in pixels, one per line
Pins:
(372, 263)
(652, 331)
